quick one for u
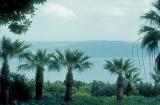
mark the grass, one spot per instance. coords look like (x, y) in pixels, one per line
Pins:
(89, 100)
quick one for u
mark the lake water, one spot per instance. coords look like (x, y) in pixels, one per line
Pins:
(96, 72)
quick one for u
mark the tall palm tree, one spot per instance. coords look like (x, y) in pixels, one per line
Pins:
(132, 77)
(151, 32)
(8, 50)
(118, 67)
(37, 61)
(72, 60)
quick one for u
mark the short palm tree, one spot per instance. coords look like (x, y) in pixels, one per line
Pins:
(37, 61)
(72, 60)
(131, 77)
(151, 31)
(118, 67)
(8, 50)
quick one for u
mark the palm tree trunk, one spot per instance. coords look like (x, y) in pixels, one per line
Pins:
(129, 89)
(69, 84)
(158, 62)
(4, 97)
(39, 83)
(120, 86)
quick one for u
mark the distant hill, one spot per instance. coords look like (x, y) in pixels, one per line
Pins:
(96, 49)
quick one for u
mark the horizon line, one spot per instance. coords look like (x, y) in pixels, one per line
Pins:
(82, 41)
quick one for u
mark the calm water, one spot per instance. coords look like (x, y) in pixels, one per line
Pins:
(97, 51)
(95, 73)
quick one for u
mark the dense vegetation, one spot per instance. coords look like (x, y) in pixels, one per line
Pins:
(96, 93)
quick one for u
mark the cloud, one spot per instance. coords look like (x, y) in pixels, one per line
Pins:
(110, 11)
(57, 10)
(115, 11)
(121, 8)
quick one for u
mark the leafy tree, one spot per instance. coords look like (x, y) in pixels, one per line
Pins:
(72, 60)
(118, 67)
(132, 77)
(8, 50)
(17, 14)
(37, 61)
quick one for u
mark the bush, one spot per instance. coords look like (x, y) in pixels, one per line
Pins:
(90, 100)
(101, 89)
(146, 89)
(55, 90)
(21, 89)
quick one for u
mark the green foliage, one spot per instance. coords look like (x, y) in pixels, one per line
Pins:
(21, 88)
(131, 78)
(101, 89)
(156, 77)
(78, 84)
(147, 89)
(37, 61)
(10, 49)
(17, 14)
(118, 66)
(73, 59)
(150, 32)
(89, 100)
(54, 90)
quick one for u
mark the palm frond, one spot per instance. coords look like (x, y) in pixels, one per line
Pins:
(152, 17)
(151, 32)
(73, 59)
(12, 48)
(118, 66)
(156, 5)
(150, 38)
(25, 67)
(54, 62)
(156, 76)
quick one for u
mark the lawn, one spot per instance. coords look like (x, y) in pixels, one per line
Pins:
(89, 100)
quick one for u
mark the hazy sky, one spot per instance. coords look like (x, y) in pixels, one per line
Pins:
(79, 20)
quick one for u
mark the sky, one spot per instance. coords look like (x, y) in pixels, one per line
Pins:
(84, 20)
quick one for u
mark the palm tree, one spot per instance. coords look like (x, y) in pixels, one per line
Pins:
(37, 61)
(151, 31)
(118, 67)
(72, 60)
(132, 77)
(8, 49)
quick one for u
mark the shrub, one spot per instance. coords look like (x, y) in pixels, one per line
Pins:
(146, 89)
(101, 89)
(21, 88)
(55, 90)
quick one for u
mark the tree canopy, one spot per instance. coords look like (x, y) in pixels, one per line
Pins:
(17, 14)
